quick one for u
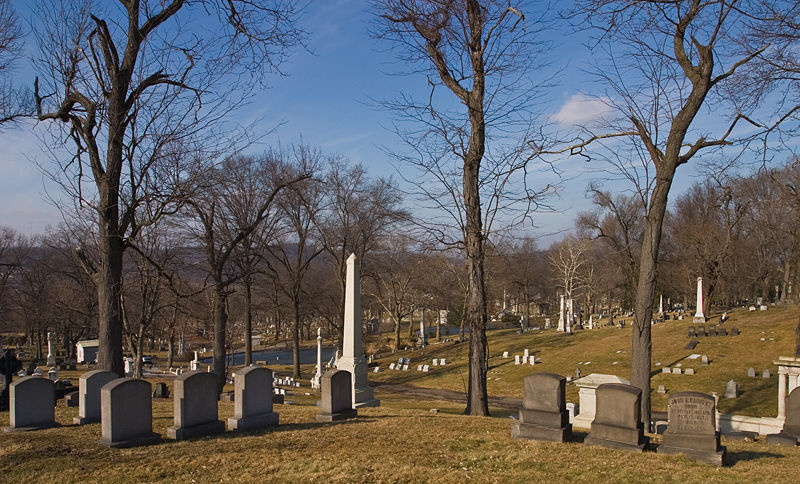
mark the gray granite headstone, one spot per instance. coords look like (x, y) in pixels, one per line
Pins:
(161, 390)
(32, 402)
(692, 344)
(751, 372)
(734, 332)
(89, 385)
(617, 423)
(765, 374)
(337, 396)
(195, 406)
(692, 428)
(543, 415)
(126, 414)
(253, 400)
(791, 427)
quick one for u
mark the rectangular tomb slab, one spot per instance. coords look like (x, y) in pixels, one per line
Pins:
(617, 418)
(253, 401)
(32, 401)
(543, 415)
(195, 406)
(126, 414)
(337, 398)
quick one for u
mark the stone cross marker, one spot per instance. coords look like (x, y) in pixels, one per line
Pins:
(543, 415)
(699, 317)
(253, 400)
(195, 406)
(352, 359)
(692, 428)
(89, 386)
(617, 423)
(126, 414)
(336, 403)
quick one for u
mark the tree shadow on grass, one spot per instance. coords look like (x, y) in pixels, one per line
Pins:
(745, 455)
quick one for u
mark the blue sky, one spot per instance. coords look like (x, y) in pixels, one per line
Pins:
(325, 99)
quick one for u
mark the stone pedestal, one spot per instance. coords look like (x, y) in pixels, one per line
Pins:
(543, 415)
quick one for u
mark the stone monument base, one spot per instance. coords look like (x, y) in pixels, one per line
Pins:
(147, 439)
(716, 458)
(253, 422)
(84, 420)
(336, 416)
(521, 430)
(699, 319)
(782, 439)
(208, 428)
(29, 428)
(365, 398)
(617, 437)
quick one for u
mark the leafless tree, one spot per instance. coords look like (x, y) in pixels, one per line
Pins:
(15, 103)
(668, 64)
(131, 88)
(483, 53)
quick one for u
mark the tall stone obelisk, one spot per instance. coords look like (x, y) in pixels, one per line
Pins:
(423, 338)
(561, 322)
(699, 317)
(352, 358)
(315, 381)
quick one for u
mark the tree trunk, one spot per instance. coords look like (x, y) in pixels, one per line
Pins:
(642, 346)
(787, 274)
(248, 322)
(397, 333)
(109, 287)
(220, 322)
(170, 349)
(137, 362)
(296, 335)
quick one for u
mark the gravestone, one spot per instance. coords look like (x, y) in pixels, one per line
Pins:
(666, 370)
(161, 390)
(9, 366)
(704, 359)
(766, 374)
(676, 371)
(195, 406)
(31, 404)
(691, 332)
(253, 400)
(505, 354)
(543, 415)
(516, 359)
(661, 389)
(734, 332)
(337, 399)
(72, 399)
(731, 390)
(692, 428)
(617, 418)
(689, 371)
(126, 414)
(701, 331)
(790, 433)
(89, 385)
(692, 344)
(722, 332)
(751, 372)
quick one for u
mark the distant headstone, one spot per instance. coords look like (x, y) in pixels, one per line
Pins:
(195, 406)
(253, 400)
(505, 354)
(127, 414)
(734, 332)
(692, 428)
(692, 344)
(704, 359)
(790, 434)
(662, 389)
(337, 399)
(676, 371)
(391, 366)
(72, 399)
(31, 404)
(161, 390)
(731, 389)
(722, 332)
(543, 415)
(765, 374)
(89, 385)
(751, 372)
(617, 418)
(691, 332)
(405, 367)
(689, 371)
(516, 359)
(376, 369)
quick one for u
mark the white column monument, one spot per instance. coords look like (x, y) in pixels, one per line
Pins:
(698, 315)
(561, 319)
(315, 381)
(51, 351)
(661, 305)
(352, 358)
(423, 339)
(570, 316)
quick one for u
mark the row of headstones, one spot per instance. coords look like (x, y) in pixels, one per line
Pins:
(712, 330)
(751, 372)
(286, 382)
(124, 406)
(398, 366)
(691, 427)
(760, 308)
(677, 370)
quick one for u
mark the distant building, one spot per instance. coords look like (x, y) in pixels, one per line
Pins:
(86, 350)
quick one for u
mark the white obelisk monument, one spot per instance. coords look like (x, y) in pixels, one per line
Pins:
(423, 340)
(315, 381)
(561, 322)
(51, 349)
(352, 358)
(699, 317)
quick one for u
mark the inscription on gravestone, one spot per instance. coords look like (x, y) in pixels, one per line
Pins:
(692, 428)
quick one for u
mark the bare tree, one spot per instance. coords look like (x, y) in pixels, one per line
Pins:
(131, 88)
(219, 225)
(15, 103)
(480, 53)
(668, 64)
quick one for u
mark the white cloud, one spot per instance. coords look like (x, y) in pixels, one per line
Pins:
(582, 109)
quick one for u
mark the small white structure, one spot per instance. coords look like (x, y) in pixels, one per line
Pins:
(788, 372)
(86, 350)
(586, 392)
